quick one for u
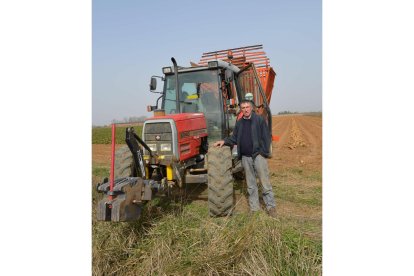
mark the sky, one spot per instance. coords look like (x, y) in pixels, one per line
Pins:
(133, 40)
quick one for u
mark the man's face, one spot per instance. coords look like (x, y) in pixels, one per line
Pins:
(246, 109)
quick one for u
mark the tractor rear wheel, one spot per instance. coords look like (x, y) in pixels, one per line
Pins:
(124, 163)
(220, 181)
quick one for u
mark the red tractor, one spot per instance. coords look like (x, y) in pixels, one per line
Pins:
(199, 105)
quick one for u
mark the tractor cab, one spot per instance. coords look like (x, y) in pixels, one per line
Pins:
(204, 89)
(214, 90)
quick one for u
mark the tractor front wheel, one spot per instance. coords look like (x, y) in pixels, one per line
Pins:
(124, 163)
(220, 181)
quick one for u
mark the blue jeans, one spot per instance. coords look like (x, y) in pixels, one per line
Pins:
(258, 167)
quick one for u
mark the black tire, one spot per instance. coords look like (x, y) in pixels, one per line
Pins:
(124, 163)
(220, 181)
(239, 174)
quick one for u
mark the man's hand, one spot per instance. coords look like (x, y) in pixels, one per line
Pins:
(219, 143)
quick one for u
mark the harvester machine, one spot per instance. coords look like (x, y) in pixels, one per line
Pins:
(199, 105)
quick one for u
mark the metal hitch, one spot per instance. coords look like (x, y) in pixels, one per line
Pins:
(125, 201)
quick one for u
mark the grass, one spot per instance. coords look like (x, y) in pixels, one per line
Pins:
(100, 171)
(315, 114)
(103, 135)
(173, 238)
(296, 186)
(191, 243)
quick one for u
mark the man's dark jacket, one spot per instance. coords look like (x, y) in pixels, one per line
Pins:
(260, 136)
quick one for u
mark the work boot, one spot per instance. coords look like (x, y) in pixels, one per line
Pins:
(272, 212)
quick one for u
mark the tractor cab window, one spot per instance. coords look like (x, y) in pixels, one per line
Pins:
(199, 92)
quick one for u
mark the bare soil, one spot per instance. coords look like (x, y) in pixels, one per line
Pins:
(300, 143)
(101, 154)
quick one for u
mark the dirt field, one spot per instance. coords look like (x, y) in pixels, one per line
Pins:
(101, 154)
(300, 144)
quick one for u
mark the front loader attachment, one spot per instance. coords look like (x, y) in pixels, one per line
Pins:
(126, 200)
(127, 195)
(126, 206)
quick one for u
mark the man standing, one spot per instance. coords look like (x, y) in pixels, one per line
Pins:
(251, 134)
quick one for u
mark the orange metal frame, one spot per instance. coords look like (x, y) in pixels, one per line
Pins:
(242, 56)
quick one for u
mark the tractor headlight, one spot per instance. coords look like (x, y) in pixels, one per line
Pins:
(165, 147)
(213, 64)
(167, 70)
(153, 147)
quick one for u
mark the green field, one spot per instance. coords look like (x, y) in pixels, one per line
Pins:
(103, 135)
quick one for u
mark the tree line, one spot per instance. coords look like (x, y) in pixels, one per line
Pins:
(132, 119)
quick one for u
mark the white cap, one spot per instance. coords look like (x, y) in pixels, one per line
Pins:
(248, 96)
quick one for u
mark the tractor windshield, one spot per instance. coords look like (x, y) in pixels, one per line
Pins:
(199, 92)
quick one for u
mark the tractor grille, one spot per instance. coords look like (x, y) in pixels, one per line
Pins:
(157, 128)
(159, 134)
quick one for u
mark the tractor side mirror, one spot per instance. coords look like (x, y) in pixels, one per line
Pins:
(153, 84)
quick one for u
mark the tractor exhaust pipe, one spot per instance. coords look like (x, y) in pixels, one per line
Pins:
(177, 92)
